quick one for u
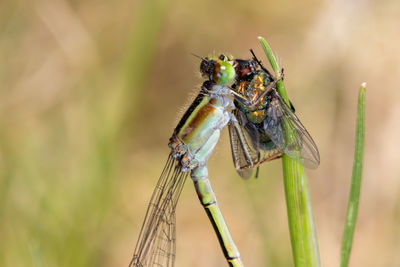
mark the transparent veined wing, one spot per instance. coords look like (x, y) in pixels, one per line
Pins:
(156, 242)
(244, 153)
(248, 147)
(288, 133)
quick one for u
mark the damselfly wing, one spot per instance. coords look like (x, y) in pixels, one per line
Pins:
(156, 242)
(250, 146)
(191, 143)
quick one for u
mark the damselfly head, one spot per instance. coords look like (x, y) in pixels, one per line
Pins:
(218, 70)
(207, 68)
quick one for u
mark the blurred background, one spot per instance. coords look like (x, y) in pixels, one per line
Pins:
(90, 92)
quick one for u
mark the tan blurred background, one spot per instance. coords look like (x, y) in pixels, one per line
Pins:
(90, 92)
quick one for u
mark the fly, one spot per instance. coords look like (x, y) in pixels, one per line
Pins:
(266, 126)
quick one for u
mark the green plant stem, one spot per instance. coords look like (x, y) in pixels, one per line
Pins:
(352, 208)
(298, 201)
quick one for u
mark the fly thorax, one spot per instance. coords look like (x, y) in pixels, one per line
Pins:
(257, 86)
(242, 87)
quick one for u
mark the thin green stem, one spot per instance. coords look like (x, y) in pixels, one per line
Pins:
(352, 208)
(301, 223)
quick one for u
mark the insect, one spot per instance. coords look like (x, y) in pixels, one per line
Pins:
(238, 93)
(266, 125)
(192, 142)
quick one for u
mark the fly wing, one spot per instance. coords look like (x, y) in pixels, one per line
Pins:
(156, 243)
(288, 133)
(246, 147)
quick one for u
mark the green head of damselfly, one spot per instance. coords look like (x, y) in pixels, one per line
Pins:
(218, 69)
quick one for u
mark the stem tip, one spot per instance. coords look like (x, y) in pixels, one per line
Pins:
(364, 85)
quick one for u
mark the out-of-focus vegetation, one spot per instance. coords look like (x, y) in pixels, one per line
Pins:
(90, 92)
(356, 179)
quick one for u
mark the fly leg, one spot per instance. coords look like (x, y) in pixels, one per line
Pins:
(251, 104)
(260, 64)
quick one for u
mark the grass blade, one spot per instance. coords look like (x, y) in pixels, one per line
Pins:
(301, 223)
(352, 208)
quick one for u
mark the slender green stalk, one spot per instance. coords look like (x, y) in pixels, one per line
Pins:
(301, 223)
(352, 208)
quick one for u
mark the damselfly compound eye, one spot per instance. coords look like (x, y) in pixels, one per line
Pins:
(223, 73)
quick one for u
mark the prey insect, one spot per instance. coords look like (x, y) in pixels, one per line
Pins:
(266, 125)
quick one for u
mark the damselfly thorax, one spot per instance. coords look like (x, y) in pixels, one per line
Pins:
(199, 129)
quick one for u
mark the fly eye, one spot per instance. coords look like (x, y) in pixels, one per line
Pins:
(222, 57)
